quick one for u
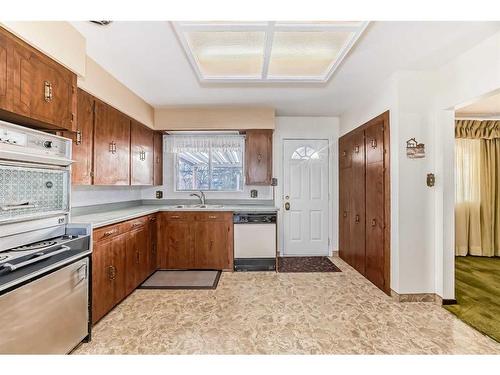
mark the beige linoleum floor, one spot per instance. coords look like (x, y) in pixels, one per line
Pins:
(269, 313)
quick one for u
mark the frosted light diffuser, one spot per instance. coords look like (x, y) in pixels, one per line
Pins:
(284, 51)
(305, 54)
(228, 53)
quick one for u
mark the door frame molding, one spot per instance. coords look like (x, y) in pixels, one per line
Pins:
(330, 184)
(383, 119)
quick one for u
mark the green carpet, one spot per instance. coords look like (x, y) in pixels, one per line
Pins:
(477, 287)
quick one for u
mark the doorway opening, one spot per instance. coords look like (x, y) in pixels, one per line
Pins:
(477, 215)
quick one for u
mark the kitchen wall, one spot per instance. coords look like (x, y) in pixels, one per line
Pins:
(214, 117)
(308, 127)
(91, 195)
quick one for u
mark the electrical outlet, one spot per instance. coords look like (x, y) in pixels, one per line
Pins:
(159, 194)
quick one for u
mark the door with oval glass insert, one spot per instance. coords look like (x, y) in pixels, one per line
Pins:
(305, 197)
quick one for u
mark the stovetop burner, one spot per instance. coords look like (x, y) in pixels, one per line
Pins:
(34, 246)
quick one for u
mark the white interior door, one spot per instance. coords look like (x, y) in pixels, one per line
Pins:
(305, 197)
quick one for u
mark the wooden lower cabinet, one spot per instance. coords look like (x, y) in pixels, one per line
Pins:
(121, 261)
(108, 275)
(212, 245)
(127, 253)
(189, 240)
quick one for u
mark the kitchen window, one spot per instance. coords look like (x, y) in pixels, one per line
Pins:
(208, 163)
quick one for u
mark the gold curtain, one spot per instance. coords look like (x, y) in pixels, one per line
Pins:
(467, 197)
(490, 197)
(477, 190)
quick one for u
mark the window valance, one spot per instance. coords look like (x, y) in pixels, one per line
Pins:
(204, 143)
(477, 129)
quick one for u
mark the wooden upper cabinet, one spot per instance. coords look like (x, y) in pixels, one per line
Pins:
(82, 146)
(141, 154)
(5, 48)
(158, 159)
(111, 146)
(35, 87)
(258, 156)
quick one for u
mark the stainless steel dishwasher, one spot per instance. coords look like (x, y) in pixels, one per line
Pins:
(254, 241)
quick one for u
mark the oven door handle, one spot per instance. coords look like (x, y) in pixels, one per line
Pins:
(13, 267)
(18, 206)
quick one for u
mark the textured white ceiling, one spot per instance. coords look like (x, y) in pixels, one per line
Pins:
(147, 58)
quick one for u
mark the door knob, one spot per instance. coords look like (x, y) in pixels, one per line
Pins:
(287, 206)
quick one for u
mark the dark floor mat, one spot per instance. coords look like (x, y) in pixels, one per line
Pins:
(188, 279)
(306, 264)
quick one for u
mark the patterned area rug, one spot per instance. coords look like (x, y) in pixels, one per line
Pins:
(306, 264)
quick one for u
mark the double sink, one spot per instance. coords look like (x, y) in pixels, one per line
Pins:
(198, 206)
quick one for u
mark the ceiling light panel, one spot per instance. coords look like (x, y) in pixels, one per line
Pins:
(306, 54)
(222, 54)
(288, 51)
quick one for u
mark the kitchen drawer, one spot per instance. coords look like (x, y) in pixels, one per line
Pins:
(135, 223)
(214, 216)
(178, 216)
(107, 232)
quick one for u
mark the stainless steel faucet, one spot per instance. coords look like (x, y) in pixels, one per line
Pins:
(200, 196)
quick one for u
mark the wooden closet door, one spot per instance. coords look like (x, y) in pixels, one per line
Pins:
(345, 186)
(357, 202)
(374, 264)
(111, 146)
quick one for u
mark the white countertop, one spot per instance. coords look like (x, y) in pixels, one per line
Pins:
(100, 219)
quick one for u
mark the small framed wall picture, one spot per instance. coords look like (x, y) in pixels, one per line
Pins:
(415, 150)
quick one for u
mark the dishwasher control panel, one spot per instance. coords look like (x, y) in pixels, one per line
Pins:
(254, 218)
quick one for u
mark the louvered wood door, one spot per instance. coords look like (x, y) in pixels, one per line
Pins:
(375, 220)
(345, 186)
(357, 202)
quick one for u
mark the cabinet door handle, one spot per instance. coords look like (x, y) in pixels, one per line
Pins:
(344, 153)
(212, 217)
(112, 272)
(78, 140)
(111, 147)
(175, 217)
(137, 257)
(356, 149)
(152, 219)
(109, 233)
(259, 157)
(374, 143)
(344, 214)
(374, 222)
(114, 148)
(135, 225)
(357, 219)
(211, 245)
(47, 91)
